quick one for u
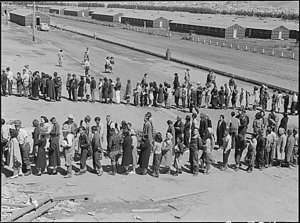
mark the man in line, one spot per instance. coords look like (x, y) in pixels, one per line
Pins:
(68, 85)
(240, 145)
(68, 147)
(193, 100)
(60, 58)
(10, 78)
(74, 86)
(179, 127)
(221, 127)
(114, 150)
(233, 125)
(3, 83)
(97, 151)
(118, 90)
(290, 143)
(226, 150)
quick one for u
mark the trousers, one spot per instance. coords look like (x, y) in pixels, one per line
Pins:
(10, 83)
(74, 94)
(225, 157)
(25, 149)
(177, 160)
(156, 163)
(97, 160)
(194, 154)
(83, 158)
(260, 157)
(252, 155)
(237, 156)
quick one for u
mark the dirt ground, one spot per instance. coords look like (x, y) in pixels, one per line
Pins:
(274, 70)
(234, 196)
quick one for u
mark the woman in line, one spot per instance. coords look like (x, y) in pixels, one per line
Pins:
(186, 131)
(234, 97)
(81, 88)
(87, 88)
(127, 150)
(40, 163)
(54, 157)
(15, 159)
(145, 148)
(208, 142)
(178, 155)
(160, 98)
(134, 145)
(167, 148)
(157, 154)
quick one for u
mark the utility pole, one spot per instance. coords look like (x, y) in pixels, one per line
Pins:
(33, 23)
(6, 13)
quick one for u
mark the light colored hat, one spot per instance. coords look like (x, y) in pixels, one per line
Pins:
(17, 122)
(71, 116)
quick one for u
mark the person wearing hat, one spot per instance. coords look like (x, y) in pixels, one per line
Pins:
(193, 100)
(100, 128)
(221, 127)
(127, 150)
(35, 136)
(84, 144)
(281, 145)
(251, 154)
(160, 95)
(110, 90)
(240, 145)
(196, 145)
(118, 90)
(195, 123)
(199, 93)
(255, 97)
(14, 157)
(167, 150)
(3, 83)
(144, 79)
(24, 146)
(203, 125)
(68, 149)
(60, 58)
(148, 129)
(290, 143)
(145, 149)
(54, 157)
(134, 148)
(68, 86)
(114, 150)
(226, 149)
(97, 151)
(10, 78)
(93, 89)
(178, 151)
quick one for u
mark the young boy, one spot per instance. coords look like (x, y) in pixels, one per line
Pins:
(97, 151)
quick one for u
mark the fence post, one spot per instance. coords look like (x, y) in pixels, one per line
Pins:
(254, 49)
(223, 44)
(209, 42)
(246, 48)
(217, 43)
(204, 41)
(273, 52)
(293, 56)
(198, 40)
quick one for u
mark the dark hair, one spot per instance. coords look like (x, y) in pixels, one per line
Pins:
(232, 113)
(94, 128)
(2, 121)
(45, 118)
(194, 115)
(158, 137)
(13, 133)
(188, 118)
(160, 85)
(97, 118)
(169, 122)
(222, 116)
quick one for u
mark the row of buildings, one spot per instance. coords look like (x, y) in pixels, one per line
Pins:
(222, 26)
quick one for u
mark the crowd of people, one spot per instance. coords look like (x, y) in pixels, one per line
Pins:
(36, 85)
(271, 144)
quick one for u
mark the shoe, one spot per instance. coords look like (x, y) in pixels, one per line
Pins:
(54, 173)
(144, 173)
(131, 172)
(180, 171)
(13, 177)
(249, 171)
(100, 173)
(78, 173)
(125, 173)
(39, 174)
(68, 176)
(206, 172)
(113, 171)
(195, 174)
(261, 168)
(27, 173)
(175, 174)
(237, 169)
(222, 168)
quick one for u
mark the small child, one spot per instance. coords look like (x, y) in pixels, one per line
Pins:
(87, 88)
(178, 155)
(157, 154)
(207, 151)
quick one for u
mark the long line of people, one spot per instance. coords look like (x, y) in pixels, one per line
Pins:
(270, 144)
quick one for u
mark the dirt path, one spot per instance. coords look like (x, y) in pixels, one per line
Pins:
(235, 196)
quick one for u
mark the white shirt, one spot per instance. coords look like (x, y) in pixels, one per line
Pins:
(25, 77)
(22, 135)
(295, 98)
(10, 76)
(86, 63)
(69, 140)
(227, 143)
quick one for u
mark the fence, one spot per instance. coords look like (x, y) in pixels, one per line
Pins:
(274, 81)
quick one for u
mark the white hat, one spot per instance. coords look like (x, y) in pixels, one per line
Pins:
(71, 116)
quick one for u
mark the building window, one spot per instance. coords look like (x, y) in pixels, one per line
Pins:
(261, 32)
(208, 28)
(221, 30)
(267, 32)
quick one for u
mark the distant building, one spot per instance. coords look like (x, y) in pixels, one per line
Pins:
(80, 12)
(110, 16)
(24, 17)
(57, 10)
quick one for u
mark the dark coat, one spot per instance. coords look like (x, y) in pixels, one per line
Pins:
(81, 88)
(160, 97)
(40, 161)
(178, 131)
(144, 154)
(209, 125)
(243, 125)
(176, 82)
(283, 123)
(127, 151)
(240, 142)
(110, 90)
(203, 125)
(35, 88)
(50, 89)
(214, 97)
(220, 132)
(222, 97)
(105, 90)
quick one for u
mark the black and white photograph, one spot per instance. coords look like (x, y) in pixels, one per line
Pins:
(149, 111)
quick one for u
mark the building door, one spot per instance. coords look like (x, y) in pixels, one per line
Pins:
(120, 19)
(38, 21)
(82, 14)
(280, 35)
(249, 32)
(160, 24)
(234, 34)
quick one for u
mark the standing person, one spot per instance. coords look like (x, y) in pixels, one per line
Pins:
(207, 150)
(252, 152)
(294, 103)
(281, 144)
(260, 148)
(171, 130)
(265, 98)
(87, 88)
(93, 89)
(214, 97)
(105, 89)
(25, 81)
(284, 121)
(59, 89)
(157, 154)
(206, 91)
(258, 123)
(278, 101)
(84, 144)
(234, 96)
(221, 127)
(74, 86)
(114, 150)
(86, 67)
(60, 58)
(196, 145)
(134, 149)
(19, 84)
(231, 83)
(167, 148)
(193, 100)
(226, 150)
(118, 90)
(127, 92)
(24, 146)
(144, 79)
(147, 129)
(68, 86)
(295, 150)
(40, 162)
(169, 97)
(109, 126)
(97, 151)
(30, 83)
(242, 99)
(270, 147)
(155, 94)
(233, 125)
(177, 95)
(286, 101)
(35, 89)
(176, 81)
(35, 136)
(203, 125)
(178, 148)
(150, 94)
(186, 131)
(221, 98)
(243, 123)
(68, 148)
(227, 96)
(255, 98)
(15, 158)
(273, 119)
(160, 98)
(179, 127)
(274, 98)
(10, 78)
(55, 80)
(240, 145)
(127, 151)
(100, 128)
(50, 89)
(54, 157)
(100, 86)
(199, 95)
(145, 148)
(290, 143)
(209, 125)
(184, 95)
(187, 77)
(110, 91)
(195, 123)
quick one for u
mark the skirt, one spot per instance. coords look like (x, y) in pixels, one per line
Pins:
(54, 158)
(134, 156)
(41, 159)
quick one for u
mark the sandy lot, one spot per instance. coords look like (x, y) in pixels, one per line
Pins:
(259, 196)
(274, 70)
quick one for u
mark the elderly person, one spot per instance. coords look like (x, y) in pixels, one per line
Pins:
(54, 158)
(196, 145)
(167, 148)
(281, 144)
(290, 143)
(15, 160)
